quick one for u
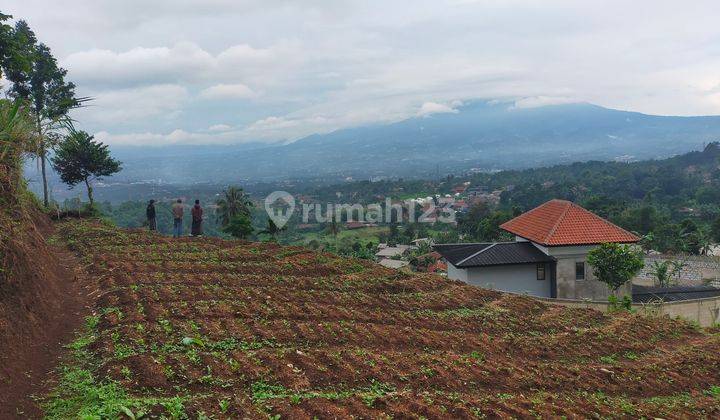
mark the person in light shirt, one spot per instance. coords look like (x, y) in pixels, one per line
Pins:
(178, 211)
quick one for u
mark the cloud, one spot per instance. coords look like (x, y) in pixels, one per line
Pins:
(220, 127)
(178, 136)
(223, 91)
(146, 103)
(184, 62)
(538, 101)
(245, 54)
(317, 66)
(138, 65)
(429, 108)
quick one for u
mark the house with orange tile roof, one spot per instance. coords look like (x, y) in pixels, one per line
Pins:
(547, 258)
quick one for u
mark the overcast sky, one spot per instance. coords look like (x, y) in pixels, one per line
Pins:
(223, 71)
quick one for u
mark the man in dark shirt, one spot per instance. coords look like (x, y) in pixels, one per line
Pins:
(150, 213)
(197, 217)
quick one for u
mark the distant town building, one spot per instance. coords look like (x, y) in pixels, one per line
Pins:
(359, 225)
(385, 251)
(390, 263)
(459, 189)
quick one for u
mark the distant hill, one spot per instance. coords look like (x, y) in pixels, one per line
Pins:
(485, 135)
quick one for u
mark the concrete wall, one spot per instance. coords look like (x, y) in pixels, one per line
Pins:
(516, 278)
(699, 270)
(706, 312)
(456, 273)
(590, 287)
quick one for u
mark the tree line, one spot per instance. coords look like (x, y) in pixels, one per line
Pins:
(40, 94)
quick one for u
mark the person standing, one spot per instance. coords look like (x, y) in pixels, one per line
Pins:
(150, 213)
(177, 211)
(197, 213)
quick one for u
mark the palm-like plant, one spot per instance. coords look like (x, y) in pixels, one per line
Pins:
(272, 229)
(333, 227)
(16, 131)
(697, 241)
(234, 202)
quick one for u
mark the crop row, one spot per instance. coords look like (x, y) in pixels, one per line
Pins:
(239, 329)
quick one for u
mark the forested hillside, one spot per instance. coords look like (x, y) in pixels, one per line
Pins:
(675, 201)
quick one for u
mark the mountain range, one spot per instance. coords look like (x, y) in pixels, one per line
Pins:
(480, 135)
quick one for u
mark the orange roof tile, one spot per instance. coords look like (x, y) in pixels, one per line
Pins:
(560, 222)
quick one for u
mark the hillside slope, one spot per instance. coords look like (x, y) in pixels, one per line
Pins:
(234, 329)
(40, 301)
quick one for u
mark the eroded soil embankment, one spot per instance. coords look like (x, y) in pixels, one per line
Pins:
(42, 301)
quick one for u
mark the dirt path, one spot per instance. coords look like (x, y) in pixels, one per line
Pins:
(44, 324)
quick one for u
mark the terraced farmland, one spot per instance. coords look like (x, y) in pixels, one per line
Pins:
(207, 328)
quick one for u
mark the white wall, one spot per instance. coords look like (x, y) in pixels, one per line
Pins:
(517, 278)
(456, 273)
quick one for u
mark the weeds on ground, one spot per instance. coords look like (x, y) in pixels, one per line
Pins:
(624, 304)
(80, 395)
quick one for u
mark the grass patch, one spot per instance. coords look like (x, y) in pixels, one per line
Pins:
(262, 391)
(714, 391)
(80, 395)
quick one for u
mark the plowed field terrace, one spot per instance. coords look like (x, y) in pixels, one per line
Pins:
(206, 328)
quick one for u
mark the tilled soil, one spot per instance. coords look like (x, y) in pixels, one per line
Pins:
(258, 330)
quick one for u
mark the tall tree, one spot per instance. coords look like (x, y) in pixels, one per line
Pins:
(234, 202)
(6, 42)
(36, 77)
(79, 158)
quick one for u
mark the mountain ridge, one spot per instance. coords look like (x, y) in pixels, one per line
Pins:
(483, 135)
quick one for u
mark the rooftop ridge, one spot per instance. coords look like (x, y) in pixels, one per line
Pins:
(477, 253)
(561, 223)
(601, 219)
(476, 243)
(568, 206)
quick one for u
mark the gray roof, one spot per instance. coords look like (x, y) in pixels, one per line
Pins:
(671, 294)
(488, 254)
(390, 263)
(393, 251)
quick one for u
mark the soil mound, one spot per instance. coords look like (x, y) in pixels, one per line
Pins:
(39, 302)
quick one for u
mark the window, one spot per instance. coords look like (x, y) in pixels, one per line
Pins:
(580, 270)
(541, 271)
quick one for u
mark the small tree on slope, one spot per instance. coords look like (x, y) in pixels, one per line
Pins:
(239, 226)
(79, 158)
(615, 264)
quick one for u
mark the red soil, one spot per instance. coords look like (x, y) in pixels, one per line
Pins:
(41, 304)
(285, 331)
